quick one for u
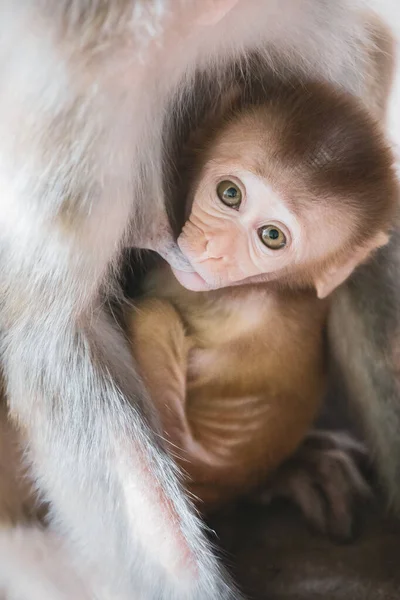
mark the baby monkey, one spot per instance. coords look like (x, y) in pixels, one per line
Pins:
(286, 194)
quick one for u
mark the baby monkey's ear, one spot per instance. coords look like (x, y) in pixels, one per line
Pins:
(336, 275)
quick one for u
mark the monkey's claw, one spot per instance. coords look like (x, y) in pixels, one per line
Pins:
(324, 478)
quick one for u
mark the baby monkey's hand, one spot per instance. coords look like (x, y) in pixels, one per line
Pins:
(324, 478)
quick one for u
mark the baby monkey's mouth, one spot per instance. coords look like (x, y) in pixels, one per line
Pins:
(188, 276)
(191, 281)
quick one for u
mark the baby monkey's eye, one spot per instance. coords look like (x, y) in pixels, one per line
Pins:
(229, 193)
(272, 237)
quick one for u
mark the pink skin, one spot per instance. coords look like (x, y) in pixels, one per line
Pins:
(216, 10)
(223, 245)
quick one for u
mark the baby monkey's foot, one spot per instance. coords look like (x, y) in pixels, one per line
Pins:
(324, 478)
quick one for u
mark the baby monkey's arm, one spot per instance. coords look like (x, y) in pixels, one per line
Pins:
(160, 347)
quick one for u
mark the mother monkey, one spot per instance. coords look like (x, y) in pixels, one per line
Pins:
(86, 88)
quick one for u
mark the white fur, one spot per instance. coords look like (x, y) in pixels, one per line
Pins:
(33, 566)
(389, 11)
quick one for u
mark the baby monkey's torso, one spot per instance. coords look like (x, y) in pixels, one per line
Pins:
(237, 376)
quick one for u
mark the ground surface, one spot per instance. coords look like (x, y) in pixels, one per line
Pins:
(276, 557)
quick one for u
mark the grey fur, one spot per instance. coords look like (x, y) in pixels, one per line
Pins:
(365, 341)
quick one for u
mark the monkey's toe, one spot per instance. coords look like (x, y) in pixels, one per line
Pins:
(325, 480)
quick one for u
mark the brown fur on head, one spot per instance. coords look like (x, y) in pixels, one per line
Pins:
(325, 158)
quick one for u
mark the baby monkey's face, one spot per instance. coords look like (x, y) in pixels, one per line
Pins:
(302, 199)
(240, 229)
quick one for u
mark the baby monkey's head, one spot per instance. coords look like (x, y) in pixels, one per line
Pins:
(299, 189)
